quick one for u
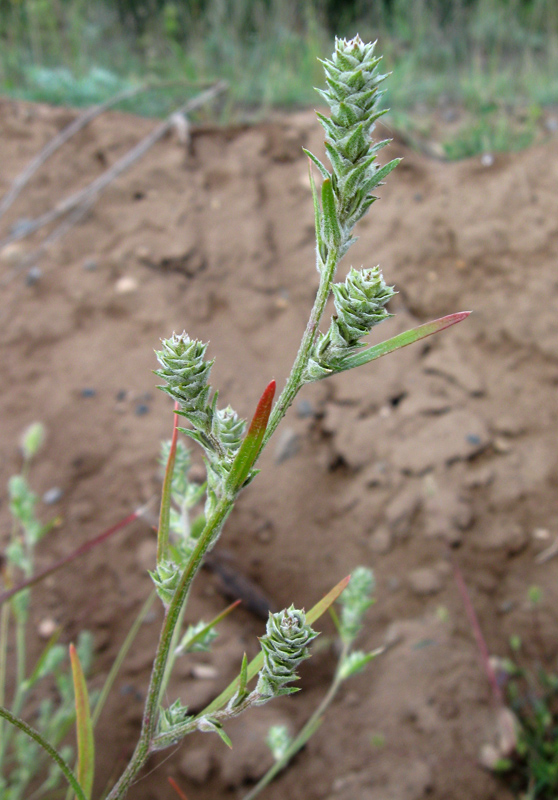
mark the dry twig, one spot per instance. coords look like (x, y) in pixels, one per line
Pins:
(70, 130)
(91, 192)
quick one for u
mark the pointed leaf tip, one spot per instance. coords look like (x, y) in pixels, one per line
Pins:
(250, 447)
(84, 726)
(263, 410)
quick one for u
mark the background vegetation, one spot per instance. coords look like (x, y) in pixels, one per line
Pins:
(489, 66)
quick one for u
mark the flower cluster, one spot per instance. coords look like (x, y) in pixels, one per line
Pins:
(284, 647)
(186, 372)
(360, 304)
(353, 95)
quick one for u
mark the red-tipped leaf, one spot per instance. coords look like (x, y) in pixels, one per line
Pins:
(250, 447)
(401, 340)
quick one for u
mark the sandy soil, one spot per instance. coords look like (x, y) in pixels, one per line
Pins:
(446, 451)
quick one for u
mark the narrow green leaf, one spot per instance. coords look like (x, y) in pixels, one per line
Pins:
(331, 229)
(383, 172)
(224, 737)
(49, 750)
(166, 497)
(323, 170)
(250, 447)
(84, 727)
(317, 213)
(121, 655)
(243, 677)
(402, 340)
(187, 643)
(38, 670)
(256, 664)
(215, 726)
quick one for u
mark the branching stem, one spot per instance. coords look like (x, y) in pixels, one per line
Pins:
(174, 611)
(294, 381)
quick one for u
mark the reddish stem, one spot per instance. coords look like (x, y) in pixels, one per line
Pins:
(177, 789)
(481, 641)
(84, 548)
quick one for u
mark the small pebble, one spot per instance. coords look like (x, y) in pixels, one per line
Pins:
(381, 540)
(126, 285)
(418, 197)
(33, 276)
(304, 409)
(128, 690)
(141, 409)
(204, 672)
(46, 628)
(12, 252)
(425, 581)
(121, 395)
(501, 445)
(506, 606)
(287, 446)
(52, 496)
(473, 438)
(487, 159)
(88, 392)
(89, 265)
(541, 533)
(21, 226)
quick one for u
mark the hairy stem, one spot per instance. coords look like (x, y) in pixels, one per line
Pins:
(4, 622)
(307, 731)
(172, 618)
(36, 736)
(294, 381)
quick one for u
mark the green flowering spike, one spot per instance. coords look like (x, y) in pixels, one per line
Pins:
(353, 95)
(166, 578)
(360, 304)
(354, 663)
(186, 373)
(173, 715)
(355, 600)
(32, 440)
(229, 428)
(284, 646)
(278, 740)
(197, 639)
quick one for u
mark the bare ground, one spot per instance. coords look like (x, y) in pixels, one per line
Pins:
(445, 452)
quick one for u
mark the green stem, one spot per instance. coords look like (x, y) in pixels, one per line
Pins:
(172, 618)
(172, 650)
(4, 622)
(122, 653)
(19, 696)
(307, 731)
(166, 498)
(294, 381)
(36, 736)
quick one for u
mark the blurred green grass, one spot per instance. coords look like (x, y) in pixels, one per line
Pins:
(490, 67)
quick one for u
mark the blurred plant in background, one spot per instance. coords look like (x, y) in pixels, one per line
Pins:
(495, 61)
(20, 757)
